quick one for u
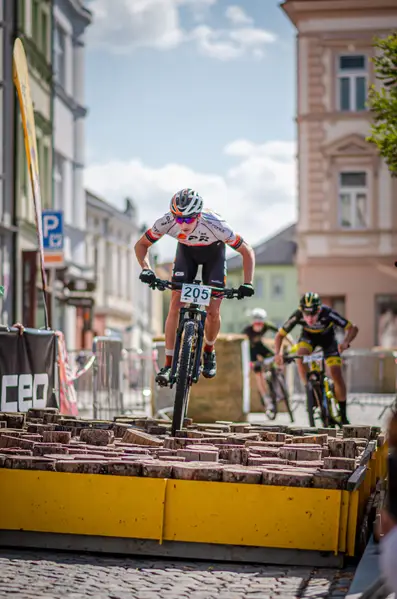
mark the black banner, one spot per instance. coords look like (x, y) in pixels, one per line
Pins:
(27, 369)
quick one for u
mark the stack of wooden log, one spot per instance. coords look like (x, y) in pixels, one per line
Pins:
(224, 451)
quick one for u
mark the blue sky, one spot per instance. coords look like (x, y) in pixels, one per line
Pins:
(197, 93)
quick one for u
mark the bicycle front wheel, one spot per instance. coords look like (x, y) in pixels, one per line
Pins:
(284, 393)
(182, 387)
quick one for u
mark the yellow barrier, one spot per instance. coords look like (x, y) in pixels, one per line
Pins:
(176, 510)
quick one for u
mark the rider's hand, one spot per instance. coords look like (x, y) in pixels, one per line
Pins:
(147, 276)
(343, 347)
(279, 359)
(245, 290)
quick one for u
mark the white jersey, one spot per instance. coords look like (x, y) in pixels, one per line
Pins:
(210, 228)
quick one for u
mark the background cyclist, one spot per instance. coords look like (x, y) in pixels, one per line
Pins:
(255, 332)
(318, 324)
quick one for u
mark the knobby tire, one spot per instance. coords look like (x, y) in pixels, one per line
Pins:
(183, 382)
(285, 393)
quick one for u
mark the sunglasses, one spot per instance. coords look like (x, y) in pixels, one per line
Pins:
(185, 219)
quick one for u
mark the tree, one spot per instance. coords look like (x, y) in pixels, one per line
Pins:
(383, 103)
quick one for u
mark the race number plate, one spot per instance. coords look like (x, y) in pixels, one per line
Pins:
(195, 294)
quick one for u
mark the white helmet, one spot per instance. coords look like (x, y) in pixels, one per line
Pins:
(186, 202)
(259, 315)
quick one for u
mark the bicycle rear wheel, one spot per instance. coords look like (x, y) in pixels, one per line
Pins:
(183, 382)
(284, 393)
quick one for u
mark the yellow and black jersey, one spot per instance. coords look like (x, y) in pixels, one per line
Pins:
(327, 320)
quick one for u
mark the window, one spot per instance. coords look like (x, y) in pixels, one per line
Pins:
(35, 20)
(277, 287)
(353, 200)
(44, 34)
(59, 165)
(60, 56)
(352, 75)
(21, 14)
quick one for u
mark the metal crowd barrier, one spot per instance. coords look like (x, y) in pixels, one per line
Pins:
(110, 381)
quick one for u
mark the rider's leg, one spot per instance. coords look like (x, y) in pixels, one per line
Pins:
(214, 274)
(171, 325)
(212, 324)
(304, 349)
(211, 331)
(340, 388)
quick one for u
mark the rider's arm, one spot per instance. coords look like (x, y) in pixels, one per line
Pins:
(248, 261)
(284, 331)
(161, 227)
(350, 329)
(141, 252)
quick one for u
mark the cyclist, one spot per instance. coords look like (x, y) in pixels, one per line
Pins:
(202, 237)
(258, 349)
(318, 324)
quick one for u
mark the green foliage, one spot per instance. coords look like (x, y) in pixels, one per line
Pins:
(383, 103)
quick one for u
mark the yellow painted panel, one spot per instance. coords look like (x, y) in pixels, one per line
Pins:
(87, 504)
(352, 523)
(344, 519)
(255, 515)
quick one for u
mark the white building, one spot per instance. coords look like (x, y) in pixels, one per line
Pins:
(123, 305)
(71, 20)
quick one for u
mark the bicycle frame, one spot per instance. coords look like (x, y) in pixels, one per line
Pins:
(191, 312)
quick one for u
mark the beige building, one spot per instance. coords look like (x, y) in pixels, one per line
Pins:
(347, 229)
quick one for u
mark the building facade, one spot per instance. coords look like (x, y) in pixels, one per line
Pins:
(275, 283)
(34, 27)
(123, 305)
(8, 16)
(70, 22)
(347, 228)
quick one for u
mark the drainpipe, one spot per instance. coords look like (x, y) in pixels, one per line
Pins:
(16, 257)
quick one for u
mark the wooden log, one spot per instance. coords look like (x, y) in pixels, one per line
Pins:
(241, 475)
(266, 461)
(287, 478)
(349, 448)
(336, 448)
(198, 471)
(42, 448)
(82, 467)
(28, 463)
(97, 436)
(157, 469)
(134, 436)
(331, 479)
(56, 437)
(307, 455)
(355, 431)
(339, 464)
(124, 468)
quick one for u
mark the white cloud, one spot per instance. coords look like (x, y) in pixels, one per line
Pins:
(238, 16)
(256, 195)
(122, 26)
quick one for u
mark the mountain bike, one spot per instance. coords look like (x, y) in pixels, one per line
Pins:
(277, 386)
(186, 364)
(320, 392)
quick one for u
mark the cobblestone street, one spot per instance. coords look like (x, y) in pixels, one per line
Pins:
(49, 575)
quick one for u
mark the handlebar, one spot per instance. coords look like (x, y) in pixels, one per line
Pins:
(315, 357)
(162, 285)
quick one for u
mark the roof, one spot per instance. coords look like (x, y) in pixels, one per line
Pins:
(128, 214)
(277, 250)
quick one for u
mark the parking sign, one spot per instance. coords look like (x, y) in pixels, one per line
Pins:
(53, 238)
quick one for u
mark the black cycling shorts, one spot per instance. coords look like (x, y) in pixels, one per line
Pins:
(326, 341)
(260, 349)
(212, 258)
